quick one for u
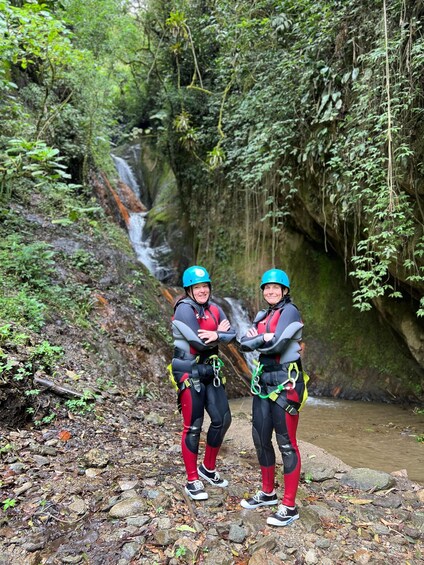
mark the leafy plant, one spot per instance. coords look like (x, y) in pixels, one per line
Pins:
(46, 355)
(9, 503)
(180, 551)
(146, 390)
(81, 405)
(6, 448)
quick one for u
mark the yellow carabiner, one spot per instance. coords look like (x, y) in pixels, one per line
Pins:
(293, 366)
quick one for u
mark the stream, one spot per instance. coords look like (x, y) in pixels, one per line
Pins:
(362, 434)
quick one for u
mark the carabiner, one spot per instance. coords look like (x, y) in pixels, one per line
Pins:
(216, 366)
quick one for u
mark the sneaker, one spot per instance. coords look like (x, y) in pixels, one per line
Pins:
(195, 490)
(260, 499)
(212, 477)
(284, 516)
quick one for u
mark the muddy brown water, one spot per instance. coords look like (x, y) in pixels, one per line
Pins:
(362, 434)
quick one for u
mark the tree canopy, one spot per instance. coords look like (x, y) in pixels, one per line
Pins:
(270, 112)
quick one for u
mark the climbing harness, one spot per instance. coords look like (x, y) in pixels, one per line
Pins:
(214, 361)
(256, 388)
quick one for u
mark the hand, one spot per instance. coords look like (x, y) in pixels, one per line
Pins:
(224, 326)
(268, 337)
(207, 336)
(252, 332)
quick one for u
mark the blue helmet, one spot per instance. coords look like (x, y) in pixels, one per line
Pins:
(195, 275)
(276, 276)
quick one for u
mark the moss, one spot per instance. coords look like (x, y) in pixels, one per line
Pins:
(324, 296)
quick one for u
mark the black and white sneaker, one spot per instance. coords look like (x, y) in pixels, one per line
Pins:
(260, 499)
(195, 490)
(212, 477)
(284, 516)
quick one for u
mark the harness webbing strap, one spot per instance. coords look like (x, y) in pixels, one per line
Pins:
(274, 395)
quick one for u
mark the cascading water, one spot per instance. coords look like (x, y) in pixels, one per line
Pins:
(143, 249)
(126, 174)
(148, 255)
(240, 322)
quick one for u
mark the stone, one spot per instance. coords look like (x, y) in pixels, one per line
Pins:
(78, 505)
(166, 537)
(417, 519)
(311, 557)
(41, 461)
(128, 507)
(388, 501)
(130, 550)
(311, 520)
(315, 471)
(20, 490)
(137, 521)
(127, 484)
(189, 549)
(264, 556)
(96, 458)
(323, 512)
(154, 418)
(323, 543)
(17, 467)
(220, 554)
(362, 556)
(237, 534)
(367, 479)
(267, 543)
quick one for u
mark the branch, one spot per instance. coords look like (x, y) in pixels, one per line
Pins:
(61, 391)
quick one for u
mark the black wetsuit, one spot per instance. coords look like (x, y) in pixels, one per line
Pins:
(279, 357)
(192, 363)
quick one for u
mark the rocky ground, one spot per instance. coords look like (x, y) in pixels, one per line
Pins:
(106, 488)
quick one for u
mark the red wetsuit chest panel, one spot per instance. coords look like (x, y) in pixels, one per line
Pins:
(269, 324)
(209, 322)
(211, 319)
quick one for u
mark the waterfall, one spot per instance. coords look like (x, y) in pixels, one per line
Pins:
(126, 174)
(145, 252)
(241, 323)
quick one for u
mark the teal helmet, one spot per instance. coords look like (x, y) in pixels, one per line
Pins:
(195, 275)
(276, 276)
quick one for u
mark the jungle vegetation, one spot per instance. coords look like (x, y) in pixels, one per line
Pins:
(268, 110)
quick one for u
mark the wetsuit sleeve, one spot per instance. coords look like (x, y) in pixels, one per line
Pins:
(185, 326)
(230, 335)
(289, 327)
(251, 343)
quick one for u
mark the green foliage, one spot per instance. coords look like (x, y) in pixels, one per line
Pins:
(45, 355)
(6, 448)
(82, 405)
(9, 503)
(180, 551)
(29, 289)
(70, 85)
(309, 104)
(32, 159)
(148, 391)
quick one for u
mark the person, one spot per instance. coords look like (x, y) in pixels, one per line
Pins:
(198, 326)
(278, 391)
